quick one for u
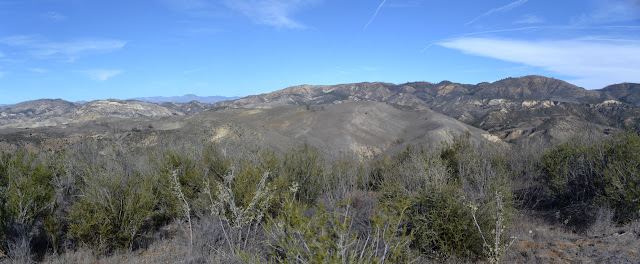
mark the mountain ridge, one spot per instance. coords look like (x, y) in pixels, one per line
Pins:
(513, 108)
(536, 104)
(184, 99)
(521, 88)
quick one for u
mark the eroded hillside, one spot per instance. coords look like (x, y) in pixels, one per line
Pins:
(363, 128)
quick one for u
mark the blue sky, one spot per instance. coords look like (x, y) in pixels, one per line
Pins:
(87, 50)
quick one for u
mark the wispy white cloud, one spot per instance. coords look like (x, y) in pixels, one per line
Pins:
(39, 70)
(276, 13)
(202, 31)
(69, 50)
(186, 4)
(592, 63)
(609, 11)
(621, 29)
(501, 9)
(197, 8)
(19, 40)
(432, 43)
(375, 14)
(530, 19)
(101, 74)
(55, 16)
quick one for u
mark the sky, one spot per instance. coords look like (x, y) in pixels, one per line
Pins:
(87, 50)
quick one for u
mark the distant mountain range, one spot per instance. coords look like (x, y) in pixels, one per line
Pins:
(367, 118)
(184, 99)
(512, 108)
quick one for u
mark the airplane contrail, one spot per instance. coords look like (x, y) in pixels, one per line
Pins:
(375, 14)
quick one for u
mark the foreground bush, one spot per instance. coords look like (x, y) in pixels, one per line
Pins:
(453, 191)
(451, 203)
(26, 197)
(114, 202)
(304, 165)
(329, 237)
(580, 177)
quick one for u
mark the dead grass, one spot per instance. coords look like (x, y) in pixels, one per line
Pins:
(541, 242)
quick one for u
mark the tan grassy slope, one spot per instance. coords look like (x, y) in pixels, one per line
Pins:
(365, 128)
(362, 128)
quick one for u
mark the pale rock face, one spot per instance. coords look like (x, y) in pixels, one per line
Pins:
(122, 109)
(538, 104)
(495, 102)
(446, 90)
(493, 138)
(609, 103)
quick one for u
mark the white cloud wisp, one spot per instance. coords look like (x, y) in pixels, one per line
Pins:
(593, 64)
(101, 74)
(55, 16)
(276, 13)
(501, 9)
(530, 19)
(69, 50)
(610, 11)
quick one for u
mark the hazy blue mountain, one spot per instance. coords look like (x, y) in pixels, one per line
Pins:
(184, 99)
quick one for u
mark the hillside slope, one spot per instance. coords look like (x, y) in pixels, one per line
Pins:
(47, 112)
(530, 107)
(363, 129)
(515, 109)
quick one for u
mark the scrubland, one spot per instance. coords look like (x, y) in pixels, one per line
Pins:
(104, 201)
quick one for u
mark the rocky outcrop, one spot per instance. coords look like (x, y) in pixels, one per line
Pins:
(624, 92)
(121, 109)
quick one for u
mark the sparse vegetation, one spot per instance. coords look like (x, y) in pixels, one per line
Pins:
(581, 177)
(457, 202)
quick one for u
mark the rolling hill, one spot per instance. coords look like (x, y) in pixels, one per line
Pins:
(363, 118)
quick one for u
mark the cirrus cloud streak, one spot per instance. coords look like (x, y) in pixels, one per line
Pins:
(593, 63)
(501, 9)
(70, 50)
(101, 74)
(276, 13)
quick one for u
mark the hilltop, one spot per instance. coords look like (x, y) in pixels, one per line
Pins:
(510, 110)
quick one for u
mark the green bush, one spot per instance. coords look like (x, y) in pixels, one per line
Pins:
(215, 163)
(454, 192)
(26, 192)
(450, 154)
(580, 177)
(380, 170)
(189, 177)
(304, 166)
(328, 237)
(442, 225)
(112, 207)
